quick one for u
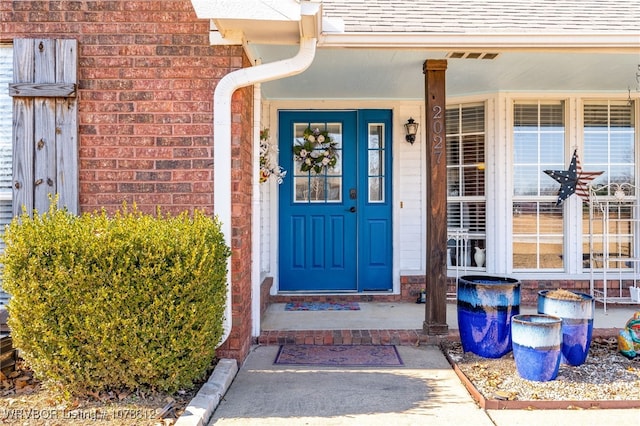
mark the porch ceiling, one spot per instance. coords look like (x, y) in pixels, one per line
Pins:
(374, 73)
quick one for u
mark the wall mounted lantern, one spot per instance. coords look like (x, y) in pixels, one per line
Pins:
(411, 127)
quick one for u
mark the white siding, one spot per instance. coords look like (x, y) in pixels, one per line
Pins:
(6, 73)
(6, 76)
(268, 205)
(265, 227)
(409, 191)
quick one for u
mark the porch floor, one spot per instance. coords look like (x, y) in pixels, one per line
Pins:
(388, 323)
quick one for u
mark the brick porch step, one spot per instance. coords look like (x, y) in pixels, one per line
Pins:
(350, 337)
(370, 337)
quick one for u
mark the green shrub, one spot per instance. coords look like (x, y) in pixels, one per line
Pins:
(126, 301)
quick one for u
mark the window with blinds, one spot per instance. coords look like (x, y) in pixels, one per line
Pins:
(6, 64)
(6, 73)
(466, 201)
(539, 144)
(609, 135)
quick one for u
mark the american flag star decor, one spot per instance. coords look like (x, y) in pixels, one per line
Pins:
(573, 181)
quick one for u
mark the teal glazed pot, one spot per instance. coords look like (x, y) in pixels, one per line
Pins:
(486, 305)
(537, 341)
(577, 324)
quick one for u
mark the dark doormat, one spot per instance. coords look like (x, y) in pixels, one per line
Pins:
(322, 306)
(339, 355)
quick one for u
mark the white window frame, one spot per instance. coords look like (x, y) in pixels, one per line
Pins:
(573, 226)
(472, 238)
(538, 198)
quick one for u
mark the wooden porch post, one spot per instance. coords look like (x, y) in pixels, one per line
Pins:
(436, 195)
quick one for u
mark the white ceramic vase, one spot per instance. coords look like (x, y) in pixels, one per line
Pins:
(479, 257)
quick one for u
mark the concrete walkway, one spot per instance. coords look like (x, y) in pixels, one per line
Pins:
(424, 391)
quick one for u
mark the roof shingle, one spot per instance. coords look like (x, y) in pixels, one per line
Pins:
(487, 16)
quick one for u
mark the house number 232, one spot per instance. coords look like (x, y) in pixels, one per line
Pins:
(437, 126)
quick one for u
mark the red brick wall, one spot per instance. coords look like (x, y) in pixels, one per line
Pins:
(239, 342)
(411, 285)
(265, 291)
(146, 77)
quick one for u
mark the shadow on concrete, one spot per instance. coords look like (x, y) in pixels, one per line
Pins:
(263, 392)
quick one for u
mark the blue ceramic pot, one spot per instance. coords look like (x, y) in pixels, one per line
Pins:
(537, 341)
(577, 324)
(485, 307)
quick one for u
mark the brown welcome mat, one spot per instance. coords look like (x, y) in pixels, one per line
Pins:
(339, 355)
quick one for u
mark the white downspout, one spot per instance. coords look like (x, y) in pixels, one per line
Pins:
(222, 139)
(256, 234)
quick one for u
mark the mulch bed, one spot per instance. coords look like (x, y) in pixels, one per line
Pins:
(606, 380)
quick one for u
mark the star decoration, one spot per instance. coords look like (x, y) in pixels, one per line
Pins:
(573, 180)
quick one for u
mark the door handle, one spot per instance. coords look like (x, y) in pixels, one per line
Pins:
(351, 209)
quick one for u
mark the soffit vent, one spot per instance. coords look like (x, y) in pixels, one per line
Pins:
(471, 55)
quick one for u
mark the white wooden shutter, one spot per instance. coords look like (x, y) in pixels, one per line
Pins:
(45, 139)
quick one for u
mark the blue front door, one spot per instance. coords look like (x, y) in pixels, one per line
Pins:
(335, 221)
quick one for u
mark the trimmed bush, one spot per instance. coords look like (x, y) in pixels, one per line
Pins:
(127, 301)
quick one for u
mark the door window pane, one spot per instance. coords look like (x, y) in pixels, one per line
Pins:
(317, 142)
(375, 163)
(376, 187)
(334, 189)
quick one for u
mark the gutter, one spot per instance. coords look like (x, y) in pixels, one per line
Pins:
(588, 42)
(222, 139)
